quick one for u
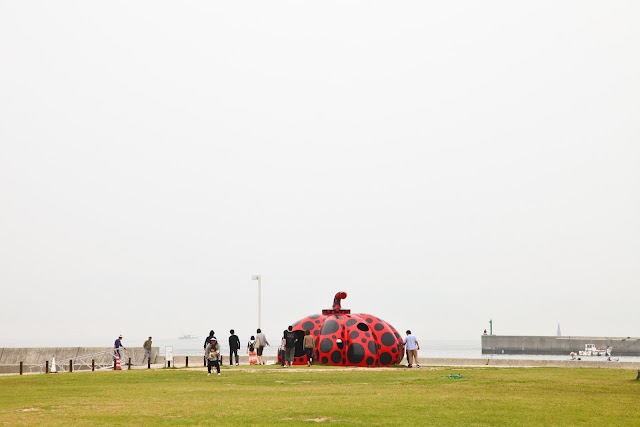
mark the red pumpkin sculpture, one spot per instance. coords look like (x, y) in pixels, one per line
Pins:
(345, 339)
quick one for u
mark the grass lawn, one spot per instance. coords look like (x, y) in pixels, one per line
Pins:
(272, 396)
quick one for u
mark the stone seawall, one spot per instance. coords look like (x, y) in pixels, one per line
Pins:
(516, 344)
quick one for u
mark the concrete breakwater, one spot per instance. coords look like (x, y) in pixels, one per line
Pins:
(516, 344)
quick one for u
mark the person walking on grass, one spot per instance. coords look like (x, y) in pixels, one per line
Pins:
(290, 345)
(147, 350)
(234, 346)
(309, 344)
(261, 343)
(412, 347)
(281, 347)
(251, 351)
(212, 353)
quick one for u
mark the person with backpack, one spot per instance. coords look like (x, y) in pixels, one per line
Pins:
(290, 345)
(261, 343)
(281, 347)
(234, 346)
(251, 351)
(212, 353)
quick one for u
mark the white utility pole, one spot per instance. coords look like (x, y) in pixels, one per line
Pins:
(258, 278)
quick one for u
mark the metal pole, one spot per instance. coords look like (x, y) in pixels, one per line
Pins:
(93, 365)
(259, 301)
(490, 327)
(46, 367)
(186, 360)
(70, 365)
(20, 368)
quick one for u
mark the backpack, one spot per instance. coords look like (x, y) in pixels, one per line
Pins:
(251, 346)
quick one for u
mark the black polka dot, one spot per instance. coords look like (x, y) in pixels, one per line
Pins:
(326, 345)
(314, 316)
(388, 339)
(393, 350)
(369, 361)
(316, 332)
(363, 327)
(355, 353)
(385, 358)
(378, 327)
(367, 334)
(353, 335)
(325, 360)
(372, 347)
(369, 320)
(364, 340)
(307, 325)
(330, 327)
(336, 357)
(351, 322)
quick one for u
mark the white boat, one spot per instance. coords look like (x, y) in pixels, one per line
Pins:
(592, 350)
(187, 337)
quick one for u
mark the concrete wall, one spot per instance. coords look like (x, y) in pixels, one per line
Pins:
(514, 344)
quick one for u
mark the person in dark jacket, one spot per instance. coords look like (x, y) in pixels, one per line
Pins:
(234, 346)
(208, 339)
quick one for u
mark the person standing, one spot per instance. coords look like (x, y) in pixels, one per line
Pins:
(234, 346)
(251, 351)
(261, 343)
(309, 344)
(147, 350)
(281, 348)
(117, 348)
(212, 353)
(290, 345)
(412, 347)
(207, 339)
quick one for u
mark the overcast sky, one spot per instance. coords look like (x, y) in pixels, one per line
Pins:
(444, 163)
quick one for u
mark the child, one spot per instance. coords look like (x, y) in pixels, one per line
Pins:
(251, 350)
(212, 353)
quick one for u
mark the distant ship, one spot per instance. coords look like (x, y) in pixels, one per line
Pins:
(187, 337)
